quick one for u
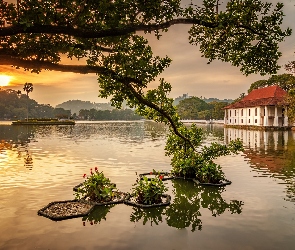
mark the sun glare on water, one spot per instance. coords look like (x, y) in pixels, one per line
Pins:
(4, 80)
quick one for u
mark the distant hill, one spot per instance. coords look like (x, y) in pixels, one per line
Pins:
(76, 105)
(208, 100)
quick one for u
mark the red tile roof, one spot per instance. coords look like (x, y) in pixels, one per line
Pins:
(272, 95)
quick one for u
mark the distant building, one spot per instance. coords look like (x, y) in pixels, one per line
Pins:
(261, 107)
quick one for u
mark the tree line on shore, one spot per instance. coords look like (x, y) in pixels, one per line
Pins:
(14, 107)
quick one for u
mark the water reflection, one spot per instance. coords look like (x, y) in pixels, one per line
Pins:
(135, 131)
(28, 160)
(151, 215)
(190, 199)
(270, 154)
(97, 215)
(185, 209)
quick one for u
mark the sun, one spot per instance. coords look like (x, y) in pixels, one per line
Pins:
(4, 80)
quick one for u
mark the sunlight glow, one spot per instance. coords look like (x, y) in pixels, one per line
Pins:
(4, 80)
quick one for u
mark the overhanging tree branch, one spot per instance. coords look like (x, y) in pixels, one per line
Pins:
(36, 64)
(83, 33)
(141, 99)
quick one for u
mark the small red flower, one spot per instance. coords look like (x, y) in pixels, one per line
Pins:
(161, 177)
(151, 172)
(95, 168)
(84, 175)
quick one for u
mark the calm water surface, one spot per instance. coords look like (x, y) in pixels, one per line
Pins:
(39, 165)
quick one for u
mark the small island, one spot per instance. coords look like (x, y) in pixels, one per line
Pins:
(44, 121)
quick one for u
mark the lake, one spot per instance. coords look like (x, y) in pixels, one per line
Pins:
(39, 165)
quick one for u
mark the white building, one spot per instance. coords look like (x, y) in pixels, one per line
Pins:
(262, 107)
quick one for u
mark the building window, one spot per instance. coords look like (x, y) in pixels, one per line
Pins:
(242, 112)
(229, 120)
(241, 120)
(249, 120)
(255, 111)
(230, 113)
(249, 112)
(264, 111)
(235, 113)
(255, 120)
(235, 120)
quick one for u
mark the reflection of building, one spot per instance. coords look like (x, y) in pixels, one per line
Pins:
(270, 153)
(261, 108)
(258, 139)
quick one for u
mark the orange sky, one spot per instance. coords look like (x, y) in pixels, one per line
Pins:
(188, 73)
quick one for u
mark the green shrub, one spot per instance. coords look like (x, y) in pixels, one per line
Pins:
(96, 187)
(210, 172)
(149, 192)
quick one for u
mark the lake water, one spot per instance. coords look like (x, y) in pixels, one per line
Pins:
(39, 165)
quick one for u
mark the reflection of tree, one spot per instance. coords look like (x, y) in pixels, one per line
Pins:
(185, 208)
(28, 160)
(211, 198)
(189, 198)
(153, 214)
(97, 214)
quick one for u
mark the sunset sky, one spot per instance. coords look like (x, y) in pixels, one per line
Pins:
(188, 73)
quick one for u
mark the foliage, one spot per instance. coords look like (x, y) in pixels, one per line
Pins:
(96, 187)
(28, 87)
(13, 106)
(187, 159)
(115, 114)
(210, 172)
(149, 192)
(76, 105)
(290, 100)
(189, 108)
(37, 34)
(285, 81)
(195, 108)
(242, 95)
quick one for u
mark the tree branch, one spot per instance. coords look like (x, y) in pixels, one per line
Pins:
(146, 102)
(77, 32)
(36, 64)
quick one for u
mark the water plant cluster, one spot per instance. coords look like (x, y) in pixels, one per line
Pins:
(191, 160)
(98, 188)
(146, 191)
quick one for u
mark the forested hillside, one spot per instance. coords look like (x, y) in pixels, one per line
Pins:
(194, 108)
(76, 105)
(15, 106)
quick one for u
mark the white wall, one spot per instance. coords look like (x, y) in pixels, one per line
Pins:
(244, 116)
